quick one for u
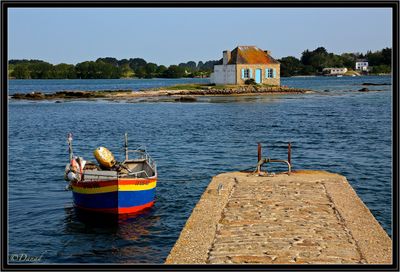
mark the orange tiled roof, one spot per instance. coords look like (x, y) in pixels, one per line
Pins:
(250, 55)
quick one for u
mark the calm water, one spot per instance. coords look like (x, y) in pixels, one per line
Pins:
(49, 86)
(339, 130)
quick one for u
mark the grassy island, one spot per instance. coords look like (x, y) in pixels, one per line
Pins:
(176, 91)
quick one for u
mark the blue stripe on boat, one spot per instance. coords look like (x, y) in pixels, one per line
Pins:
(135, 198)
(110, 200)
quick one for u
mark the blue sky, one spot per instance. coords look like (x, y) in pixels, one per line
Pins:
(173, 35)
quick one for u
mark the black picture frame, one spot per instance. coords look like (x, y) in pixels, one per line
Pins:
(5, 5)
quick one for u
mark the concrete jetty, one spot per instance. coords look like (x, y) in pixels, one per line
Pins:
(307, 217)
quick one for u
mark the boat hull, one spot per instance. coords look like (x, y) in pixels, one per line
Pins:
(121, 196)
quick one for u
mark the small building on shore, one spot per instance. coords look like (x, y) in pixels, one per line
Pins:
(362, 65)
(334, 71)
(247, 62)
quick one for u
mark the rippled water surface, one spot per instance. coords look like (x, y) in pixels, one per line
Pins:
(53, 85)
(337, 129)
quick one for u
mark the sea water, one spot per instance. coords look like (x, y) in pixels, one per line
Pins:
(337, 129)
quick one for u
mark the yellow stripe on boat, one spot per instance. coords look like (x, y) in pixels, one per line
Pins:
(114, 188)
(137, 187)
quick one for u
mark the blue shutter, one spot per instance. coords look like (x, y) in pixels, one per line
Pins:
(266, 73)
(274, 73)
(242, 73)
(251, 73)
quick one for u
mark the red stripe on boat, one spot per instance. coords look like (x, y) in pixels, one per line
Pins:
(120, 210)
(97, 184)
(135, 181)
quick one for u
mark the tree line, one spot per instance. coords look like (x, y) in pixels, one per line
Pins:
(106, 68)
(310, 63)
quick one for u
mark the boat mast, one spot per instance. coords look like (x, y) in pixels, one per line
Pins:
(69, 141)
(126, 146)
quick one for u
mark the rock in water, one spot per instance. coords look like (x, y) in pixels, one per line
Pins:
(186, 99)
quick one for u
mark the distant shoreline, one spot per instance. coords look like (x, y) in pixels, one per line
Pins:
(137, 78)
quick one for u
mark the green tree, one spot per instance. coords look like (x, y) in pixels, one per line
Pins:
(381, 69)
(317, 58)
(161, 70)
(349, 60)
(21, 71)
(189, 66)
(150, 69)
(308, 70)
(109, 60)
(320, 51)
(106, 70)
(174, 71)
(290, 66)
(64, 70)
(140, 72)
(136, 63)
(123, 62)
(86, 70)
(309, 64)
(41, 70)
(334, 61)
(126, 71)
(374, 58)
(208, 66)
(10, 70)
(199, 65)
(305, 57)
(387, 56)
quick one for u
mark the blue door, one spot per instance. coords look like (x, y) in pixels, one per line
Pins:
(258, 75)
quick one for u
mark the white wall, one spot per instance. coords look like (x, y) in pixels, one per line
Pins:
(224, 74)
(335, 71)
(361, 65)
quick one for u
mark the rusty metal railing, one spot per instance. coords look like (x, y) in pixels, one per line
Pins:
(262, 161)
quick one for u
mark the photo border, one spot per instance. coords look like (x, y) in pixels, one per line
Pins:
(5, 5)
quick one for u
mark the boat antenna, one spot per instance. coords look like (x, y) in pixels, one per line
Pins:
(126, 146)
(69, 141)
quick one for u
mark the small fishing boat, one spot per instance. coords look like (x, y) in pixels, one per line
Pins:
(111, 186)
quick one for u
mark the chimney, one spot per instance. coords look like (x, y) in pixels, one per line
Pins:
(268, 52)
(226, 57)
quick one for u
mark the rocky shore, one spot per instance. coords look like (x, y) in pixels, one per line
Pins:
(174, 91)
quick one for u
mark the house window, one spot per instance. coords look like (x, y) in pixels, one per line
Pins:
(269, 73)
(246, 73)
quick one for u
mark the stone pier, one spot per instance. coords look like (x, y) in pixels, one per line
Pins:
(308, 217)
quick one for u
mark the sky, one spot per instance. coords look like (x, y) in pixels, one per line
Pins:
(173, 35)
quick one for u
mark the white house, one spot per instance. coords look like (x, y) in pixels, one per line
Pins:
(334, 71)
(246, 62)
(362, 65)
